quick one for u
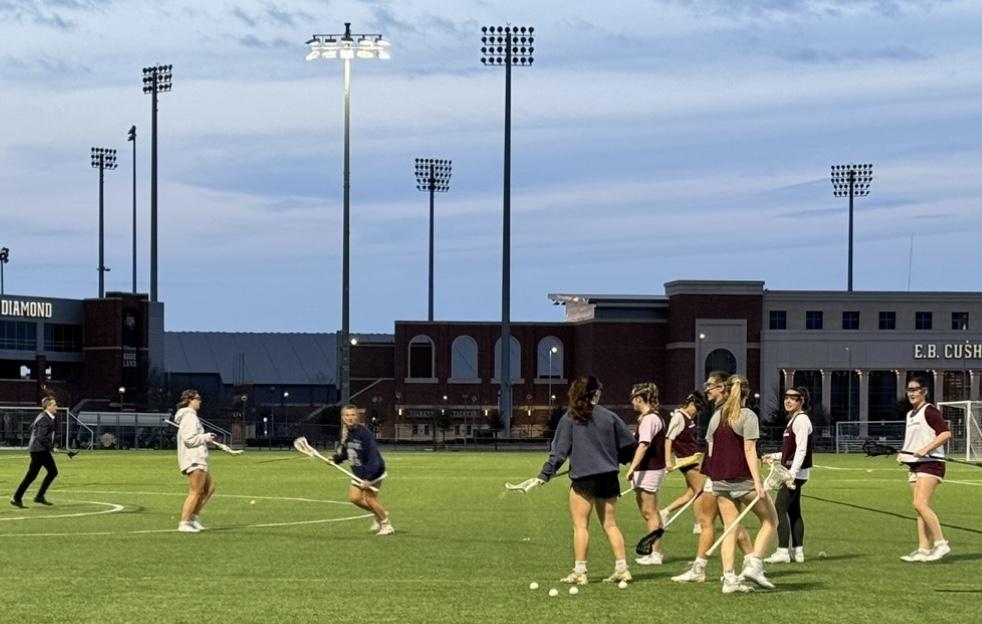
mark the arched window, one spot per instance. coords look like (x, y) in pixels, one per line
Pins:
(421, 358)
(515, 360)
(549, 360)
(720, 359)
(463, 358)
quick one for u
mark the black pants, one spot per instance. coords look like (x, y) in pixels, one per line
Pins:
(39, 459)
(790, 524)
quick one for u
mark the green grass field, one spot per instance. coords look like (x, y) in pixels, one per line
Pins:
(464, 551)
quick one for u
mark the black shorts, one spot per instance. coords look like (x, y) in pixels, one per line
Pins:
(686, 469)
(604, 485)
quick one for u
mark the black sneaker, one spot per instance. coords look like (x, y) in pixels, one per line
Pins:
(40, 500)
(17, 503)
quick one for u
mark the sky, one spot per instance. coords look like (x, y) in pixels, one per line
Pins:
(652, 141)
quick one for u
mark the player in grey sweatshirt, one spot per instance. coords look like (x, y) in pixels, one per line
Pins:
(41, 444)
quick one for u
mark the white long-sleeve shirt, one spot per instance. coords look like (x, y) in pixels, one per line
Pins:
(801, 428)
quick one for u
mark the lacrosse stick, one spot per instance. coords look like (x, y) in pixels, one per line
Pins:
(71, 454)
(777, 477)
(682, 509)
(646, 544)
(304, 447)
(529, 484)
(225, 447)
(683, 462)
(875, 449)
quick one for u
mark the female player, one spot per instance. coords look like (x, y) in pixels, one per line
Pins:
(732, 436)
(358, 446)
(192, 459)
(923, 453)
(796, 456)
(592, 438)
(647, 467)
(682, 440)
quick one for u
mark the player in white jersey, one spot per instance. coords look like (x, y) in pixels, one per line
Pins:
(923, 453)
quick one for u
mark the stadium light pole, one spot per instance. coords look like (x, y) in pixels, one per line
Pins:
(102, 159)
(346, 46)
(851, 181)
(506, 46)
(432, 175)
(4, 259)
(131, 136)
(156, 79)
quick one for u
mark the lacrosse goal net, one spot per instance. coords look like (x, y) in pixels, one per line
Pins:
(965, 421)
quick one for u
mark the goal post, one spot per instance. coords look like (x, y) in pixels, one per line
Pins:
(852, 434)
(965, 422)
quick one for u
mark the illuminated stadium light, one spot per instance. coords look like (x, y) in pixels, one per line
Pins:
(102, 159)
(432, 176)
(851, 181)
(156, 79)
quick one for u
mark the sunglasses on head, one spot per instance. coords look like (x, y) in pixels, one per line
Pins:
(793, 397)
(914, 388)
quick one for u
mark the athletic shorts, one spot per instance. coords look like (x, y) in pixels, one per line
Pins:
(934, 469)
(707, 487)
(194, 467)
(604, 485)
(376, 482)
(647, 480)
(686, 469)
(733, 489)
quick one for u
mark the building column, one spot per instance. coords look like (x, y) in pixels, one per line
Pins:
(826, 399)
(788, 377)
(901, 384)
(973, 392)
(863, 400)
(938, 377)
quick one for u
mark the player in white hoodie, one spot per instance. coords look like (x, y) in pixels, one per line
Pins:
(192, 459)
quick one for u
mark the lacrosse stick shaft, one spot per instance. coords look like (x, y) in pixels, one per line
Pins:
(682, 509)
(732, 527)
(220, 445)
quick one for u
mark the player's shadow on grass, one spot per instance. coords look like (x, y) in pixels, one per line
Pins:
(974, 556)
(794, 587)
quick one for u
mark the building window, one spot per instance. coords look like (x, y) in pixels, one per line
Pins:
(779, 319)
(720, 359)
(421, 360)
(959, 321)
(62, 338)
(515, 361)
(850, 319)
(18, 335)
(888, 320)
(813, 319)
(923, 320)
(550, 358)
(463, 358)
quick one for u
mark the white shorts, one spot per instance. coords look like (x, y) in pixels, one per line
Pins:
(914, 476)
(376, 483)
(647, 480)
(733, 489)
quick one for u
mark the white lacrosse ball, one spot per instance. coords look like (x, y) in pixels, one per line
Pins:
(533, 585)
(553, 593)
(622, 585)
(574, 590)
(822, 554)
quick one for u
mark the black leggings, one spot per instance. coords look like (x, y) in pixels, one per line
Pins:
(790, 524)
(39, 459)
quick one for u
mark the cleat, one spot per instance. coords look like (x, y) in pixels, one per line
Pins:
(694, 574)
(781, 555)
(40, 500)
(386, 529)
(753, 569)
(187, 527)
(196, 523)
(940, 550)
(16, 502)
(916, 556)
(654, 558)
(732, 584)
(619, 575)
(799, 554)
(575, 578)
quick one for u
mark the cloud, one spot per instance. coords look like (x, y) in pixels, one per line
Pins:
(901, 53)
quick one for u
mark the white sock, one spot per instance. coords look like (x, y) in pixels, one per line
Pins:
(579, 567)
(620, 565)
(699, 563)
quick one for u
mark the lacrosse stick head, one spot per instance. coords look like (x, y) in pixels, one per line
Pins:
(647, 543)
(302, 445)
(71, 454)
(875, 449)
(778, 476)
(525, 485)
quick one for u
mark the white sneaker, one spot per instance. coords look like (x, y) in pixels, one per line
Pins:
(655, 558)
(386, 528)
(916, 556)
(940, 550)
(733, 585)
(196, 523)
(187, 527)
(575, 578)
(694, 574)
(619, 575)
(753, 569)
(697, 529)
(781, 555)
(375, 526)
(799, 554)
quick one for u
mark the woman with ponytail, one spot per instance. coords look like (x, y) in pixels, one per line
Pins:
(593, 438)
(647, 468)
(734, 469)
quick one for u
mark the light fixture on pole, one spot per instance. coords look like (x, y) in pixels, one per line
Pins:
(432, 175)
(156, 79)
(4, 259)
(346, 46)
(131, 136)
(122, 393)
(102, 159)
(851, 181)
(506, 46)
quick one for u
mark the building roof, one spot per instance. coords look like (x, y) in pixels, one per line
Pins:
(254, 358)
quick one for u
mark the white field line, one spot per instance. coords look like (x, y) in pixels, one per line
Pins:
(113, 508)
